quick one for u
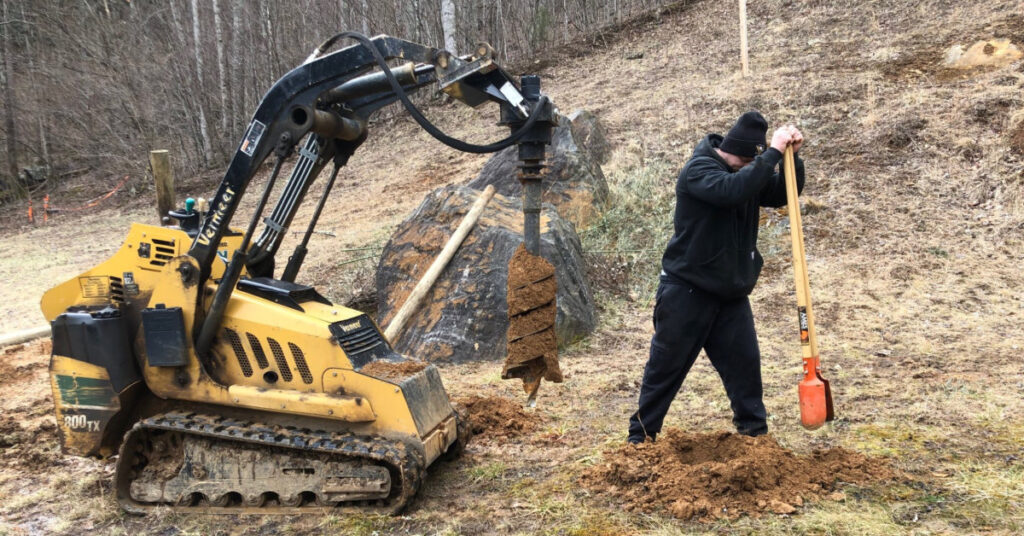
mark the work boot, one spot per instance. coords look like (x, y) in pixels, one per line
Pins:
(636, 440)
(753, 430)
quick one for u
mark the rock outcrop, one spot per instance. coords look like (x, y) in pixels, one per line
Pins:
(464, 316)
(575, 184)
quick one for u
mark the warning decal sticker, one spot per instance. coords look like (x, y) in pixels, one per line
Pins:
(94, 287)
(252, 138)
(804, 332)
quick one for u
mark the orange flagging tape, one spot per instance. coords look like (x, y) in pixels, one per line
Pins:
(94, 202)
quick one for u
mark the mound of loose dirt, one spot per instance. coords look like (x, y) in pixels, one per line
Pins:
(497, 417)
(725, 475)
(391, 371)
(28, 432)
(28, 445)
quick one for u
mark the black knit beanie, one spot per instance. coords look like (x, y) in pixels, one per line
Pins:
(747, 136)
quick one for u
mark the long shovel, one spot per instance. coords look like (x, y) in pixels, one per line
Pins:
(815, 393)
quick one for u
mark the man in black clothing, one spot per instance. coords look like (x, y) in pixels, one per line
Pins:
(709, 269)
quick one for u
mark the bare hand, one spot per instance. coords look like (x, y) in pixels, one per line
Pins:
(787, 135)
(781, 138)
(797, 137)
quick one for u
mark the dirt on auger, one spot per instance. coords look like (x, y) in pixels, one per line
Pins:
(726, 475)
(532, 344)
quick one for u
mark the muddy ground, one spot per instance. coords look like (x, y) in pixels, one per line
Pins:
(914, 234)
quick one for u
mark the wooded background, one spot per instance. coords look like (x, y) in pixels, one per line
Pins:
(90, 86)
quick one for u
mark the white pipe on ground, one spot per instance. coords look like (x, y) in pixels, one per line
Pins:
(25, 335)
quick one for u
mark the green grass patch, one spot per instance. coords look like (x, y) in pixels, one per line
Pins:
(357, 525)
(892, 439)
(990, 494)
(488, 472)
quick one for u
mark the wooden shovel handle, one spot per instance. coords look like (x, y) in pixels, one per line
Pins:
(808, 339)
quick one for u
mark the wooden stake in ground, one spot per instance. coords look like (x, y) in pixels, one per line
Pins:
(744, 61)
(163, 176)
(420, 290)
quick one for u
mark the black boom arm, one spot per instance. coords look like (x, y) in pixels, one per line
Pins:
(330, 97)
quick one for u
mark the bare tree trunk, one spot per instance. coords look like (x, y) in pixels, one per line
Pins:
(179, 29)
(500, 23)
(203, 129)
(44, 153)
(184, 79)
(565, 25)
(237, 84)
(44, 146)
(448, 25)
(268, 33)
(9, 102)
(366, 17)
(220, 67)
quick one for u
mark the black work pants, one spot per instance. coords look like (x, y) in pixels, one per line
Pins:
(687, 319)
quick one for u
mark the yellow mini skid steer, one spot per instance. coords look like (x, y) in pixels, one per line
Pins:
(223, 388)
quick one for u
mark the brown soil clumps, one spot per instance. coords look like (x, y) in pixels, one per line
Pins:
(532, 344)
(22, 360)
(497, 417)
(28, 444)
(391, 371)
(725, 475)
(28, 431)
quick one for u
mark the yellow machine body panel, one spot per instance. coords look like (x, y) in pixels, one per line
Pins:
(266, 357)
(291, 363)
(131, 272)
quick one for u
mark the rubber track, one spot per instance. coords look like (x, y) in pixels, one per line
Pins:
(405, 463)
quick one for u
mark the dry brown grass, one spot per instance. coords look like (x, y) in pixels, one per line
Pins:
(915, 256)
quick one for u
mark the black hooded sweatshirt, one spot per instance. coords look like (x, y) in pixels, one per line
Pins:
(715, 243)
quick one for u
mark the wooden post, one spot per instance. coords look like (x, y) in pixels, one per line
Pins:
(163, 175)
(420, 290)
(743, 38)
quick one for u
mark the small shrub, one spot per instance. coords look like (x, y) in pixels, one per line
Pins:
(637, 225)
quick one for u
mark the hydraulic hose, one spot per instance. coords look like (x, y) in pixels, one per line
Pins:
(415, 112)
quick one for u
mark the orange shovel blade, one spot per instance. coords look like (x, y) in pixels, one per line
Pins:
(830, 414)
(815, 397)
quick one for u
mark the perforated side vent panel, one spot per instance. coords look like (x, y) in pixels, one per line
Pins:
(116, 290)
(163, 251)
(282, 364)
(257, 351)
(300, 363)
(236, 345)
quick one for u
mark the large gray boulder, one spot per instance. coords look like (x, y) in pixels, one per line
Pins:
(575, 184)
(464, 317)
